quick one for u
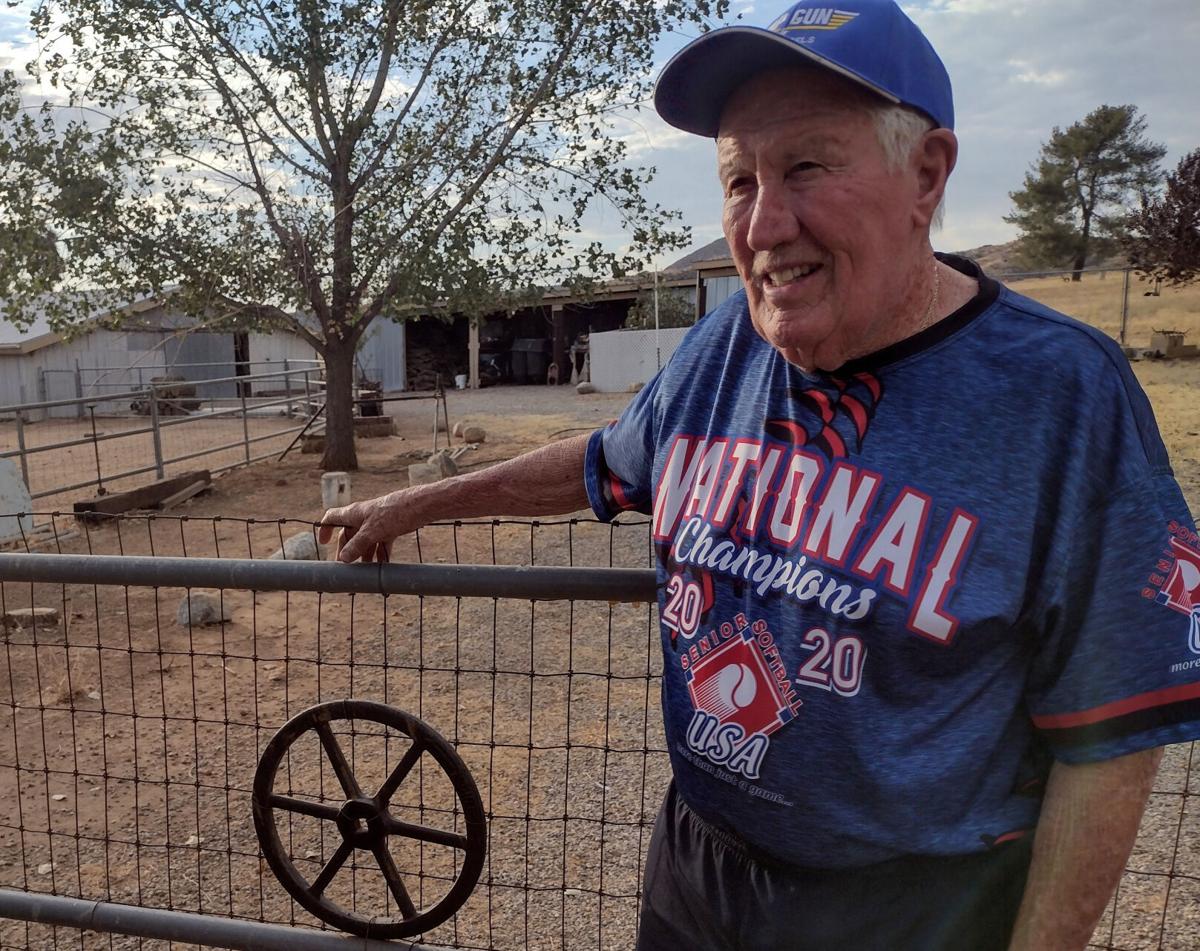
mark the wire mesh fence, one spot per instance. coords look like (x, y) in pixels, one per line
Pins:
(130, 734)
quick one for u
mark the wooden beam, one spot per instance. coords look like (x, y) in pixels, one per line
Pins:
(145, 497)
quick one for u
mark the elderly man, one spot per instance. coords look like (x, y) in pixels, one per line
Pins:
(927, 579)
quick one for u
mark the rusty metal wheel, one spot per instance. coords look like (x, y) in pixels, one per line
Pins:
(364, 821)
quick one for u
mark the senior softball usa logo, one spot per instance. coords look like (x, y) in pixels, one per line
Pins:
(741, 695)
(1175, 582)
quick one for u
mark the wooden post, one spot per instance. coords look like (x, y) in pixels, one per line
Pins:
(1124, 306)
(473, 354)
(559, 354)
(156, 432)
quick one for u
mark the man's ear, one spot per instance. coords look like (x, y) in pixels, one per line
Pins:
(934, 159)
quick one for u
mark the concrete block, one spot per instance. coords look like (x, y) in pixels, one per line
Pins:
(335, 489)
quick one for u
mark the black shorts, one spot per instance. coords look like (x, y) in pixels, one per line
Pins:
(706, 891)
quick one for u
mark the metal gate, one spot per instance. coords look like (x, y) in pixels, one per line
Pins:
(130, 730)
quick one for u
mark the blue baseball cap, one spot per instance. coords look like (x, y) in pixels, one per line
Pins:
(871, 42)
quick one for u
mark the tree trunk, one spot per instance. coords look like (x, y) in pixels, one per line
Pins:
(1081, 252)
(339, 409)
(1078, 266)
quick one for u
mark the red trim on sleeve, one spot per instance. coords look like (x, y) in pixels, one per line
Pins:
(618, 492)
(1142, 701)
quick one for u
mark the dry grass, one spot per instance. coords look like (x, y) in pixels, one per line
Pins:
(1097, 300)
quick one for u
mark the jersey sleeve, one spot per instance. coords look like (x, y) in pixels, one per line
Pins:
(620, 459)
(1117, 663)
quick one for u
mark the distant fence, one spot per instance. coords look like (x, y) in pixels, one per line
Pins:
(106, 385)
(58, 457)
(129, 736)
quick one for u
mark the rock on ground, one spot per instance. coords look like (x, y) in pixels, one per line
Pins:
(445, 465)
(584, 388)
(201, 607)
(423, 473)
(474, 434)
(31, 617)
(299, 547)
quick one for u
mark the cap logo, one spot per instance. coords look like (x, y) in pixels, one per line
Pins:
(804, 19)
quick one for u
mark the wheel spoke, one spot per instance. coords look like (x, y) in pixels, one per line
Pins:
(318, 810)
(337, 759)
(398, 775)
(410, 830)
(395, 882)
(336, 861)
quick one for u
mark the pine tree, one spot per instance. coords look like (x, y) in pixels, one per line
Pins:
(1074, 203)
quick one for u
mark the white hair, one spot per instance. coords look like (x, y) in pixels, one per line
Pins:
(899, 130)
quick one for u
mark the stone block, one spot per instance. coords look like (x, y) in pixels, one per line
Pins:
(474, 434)
(335, 489)
(585, 388)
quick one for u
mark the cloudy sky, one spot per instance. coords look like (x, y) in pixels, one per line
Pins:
(1019, 68)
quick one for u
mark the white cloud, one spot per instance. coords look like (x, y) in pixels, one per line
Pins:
(1026, 72)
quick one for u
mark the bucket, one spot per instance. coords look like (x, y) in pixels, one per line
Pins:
(460, 381)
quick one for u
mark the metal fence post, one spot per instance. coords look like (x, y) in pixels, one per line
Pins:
(245, 427)
(307, 394)
(21, 447)
(287, 382)
(157, 433)
(78, 390)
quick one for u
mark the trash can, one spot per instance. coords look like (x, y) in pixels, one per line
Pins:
(530, 360)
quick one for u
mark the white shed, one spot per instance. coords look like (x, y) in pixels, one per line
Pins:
(37, 364)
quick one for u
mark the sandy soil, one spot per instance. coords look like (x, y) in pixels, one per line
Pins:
(137, 738)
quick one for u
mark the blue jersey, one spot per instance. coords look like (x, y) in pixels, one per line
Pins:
(891, 596)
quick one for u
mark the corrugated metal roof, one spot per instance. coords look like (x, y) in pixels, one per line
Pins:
(39, 333)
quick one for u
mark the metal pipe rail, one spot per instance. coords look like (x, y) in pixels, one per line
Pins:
(142, 391)
(205, 930)
(522, 582)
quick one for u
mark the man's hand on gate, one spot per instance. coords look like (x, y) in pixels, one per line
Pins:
(365, 530)
(546, 481)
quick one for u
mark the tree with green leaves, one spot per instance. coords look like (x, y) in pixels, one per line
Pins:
(1074, 205)
(1164, 240)
(674, 309)
(319, 165)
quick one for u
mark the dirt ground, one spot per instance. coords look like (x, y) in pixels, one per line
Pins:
(137, 738)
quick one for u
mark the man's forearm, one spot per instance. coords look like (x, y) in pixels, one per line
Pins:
(547, 481)
(1087, 827)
